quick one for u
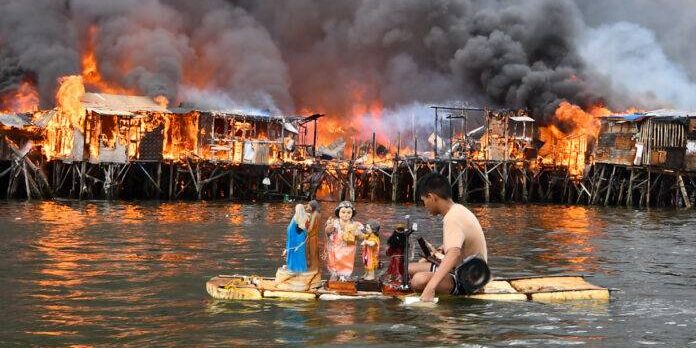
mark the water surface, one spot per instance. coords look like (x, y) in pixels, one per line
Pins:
(133, 274)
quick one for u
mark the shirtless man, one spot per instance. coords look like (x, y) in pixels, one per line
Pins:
(462, 237)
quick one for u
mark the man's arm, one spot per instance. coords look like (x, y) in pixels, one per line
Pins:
(448, 263)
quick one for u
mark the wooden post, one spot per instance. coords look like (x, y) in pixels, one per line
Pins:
(415, 180)
(314, 143)
(460, 183)
(372, 185)
(621, 191)
(609, 184)
(598, 185)
(525, 194)
(351, 185)
(83, 183)
(682, 188)
(293, 190)
(395, 181)
(171, 179)
(374, 147)
(26, 181)
(647, 192)
(159, 179)
(107, 181)
(486, 184)
(435, 134)
(230, 189)
(629, 192)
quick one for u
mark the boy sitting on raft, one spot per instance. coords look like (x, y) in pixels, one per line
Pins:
(462, 237)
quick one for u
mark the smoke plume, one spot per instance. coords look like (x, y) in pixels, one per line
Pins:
(349, 57)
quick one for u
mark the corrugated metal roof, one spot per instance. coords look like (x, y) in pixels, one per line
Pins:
(637, 117)
(43, 118)
(664, 114)
(120, 105)
(669, 113)
(522, 119)
(18, 121)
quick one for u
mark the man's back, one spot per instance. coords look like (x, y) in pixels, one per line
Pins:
(461, 229)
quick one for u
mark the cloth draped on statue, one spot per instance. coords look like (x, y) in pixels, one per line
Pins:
(313, 243)
(296, 244)
(341, 249)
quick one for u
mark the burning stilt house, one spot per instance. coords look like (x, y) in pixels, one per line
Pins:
(18, 136)
(507, 135)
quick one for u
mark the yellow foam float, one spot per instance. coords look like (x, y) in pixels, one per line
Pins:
(540, 289)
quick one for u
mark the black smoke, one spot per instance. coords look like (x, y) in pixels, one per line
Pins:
(317, 55)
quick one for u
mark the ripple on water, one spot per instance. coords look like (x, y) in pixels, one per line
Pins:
(80, 273)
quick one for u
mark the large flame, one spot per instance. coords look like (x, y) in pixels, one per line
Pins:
(67, 118)
(566, 139)
(90, 69)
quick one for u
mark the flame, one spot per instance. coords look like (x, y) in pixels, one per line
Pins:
(69, 116)
(24, 99)
(162, 101)
(566, 139)
(90, 68)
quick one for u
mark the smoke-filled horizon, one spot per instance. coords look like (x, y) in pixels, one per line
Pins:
(349, 57)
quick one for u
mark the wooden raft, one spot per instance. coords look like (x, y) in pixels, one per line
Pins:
(540, 289)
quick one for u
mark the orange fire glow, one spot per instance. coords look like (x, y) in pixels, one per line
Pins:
(90, 69)
(68, 117)
(22, 100)
(567, 145)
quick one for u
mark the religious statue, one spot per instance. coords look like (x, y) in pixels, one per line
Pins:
(342, 232)
(370, 249)
(301, 269)
(313, 236)
(295, 250)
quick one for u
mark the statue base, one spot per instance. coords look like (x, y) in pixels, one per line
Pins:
(293, 281)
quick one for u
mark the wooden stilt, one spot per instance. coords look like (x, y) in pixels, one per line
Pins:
(598, 185)
(504, 177)
(525, 194)
(619, 201)
(486, 184)
(395, 182)
(629, 192)
(682, 189)
(171, 180)
(159, 180)
(647, 191)
(26, 181)
(609, 185)
(83, 181)
(230, 189)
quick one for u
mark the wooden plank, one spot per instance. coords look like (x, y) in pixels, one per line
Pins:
(551, 284)
(573, 295)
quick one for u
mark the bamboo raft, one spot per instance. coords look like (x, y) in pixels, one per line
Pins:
(539, 289)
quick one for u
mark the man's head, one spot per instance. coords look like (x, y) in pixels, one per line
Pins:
(313, 206)
(435, 190)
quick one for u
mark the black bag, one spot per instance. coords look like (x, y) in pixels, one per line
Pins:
(472, 275)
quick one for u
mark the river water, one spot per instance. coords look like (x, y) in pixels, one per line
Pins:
(76, 273)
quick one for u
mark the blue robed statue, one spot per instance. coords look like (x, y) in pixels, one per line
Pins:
(296, 245)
